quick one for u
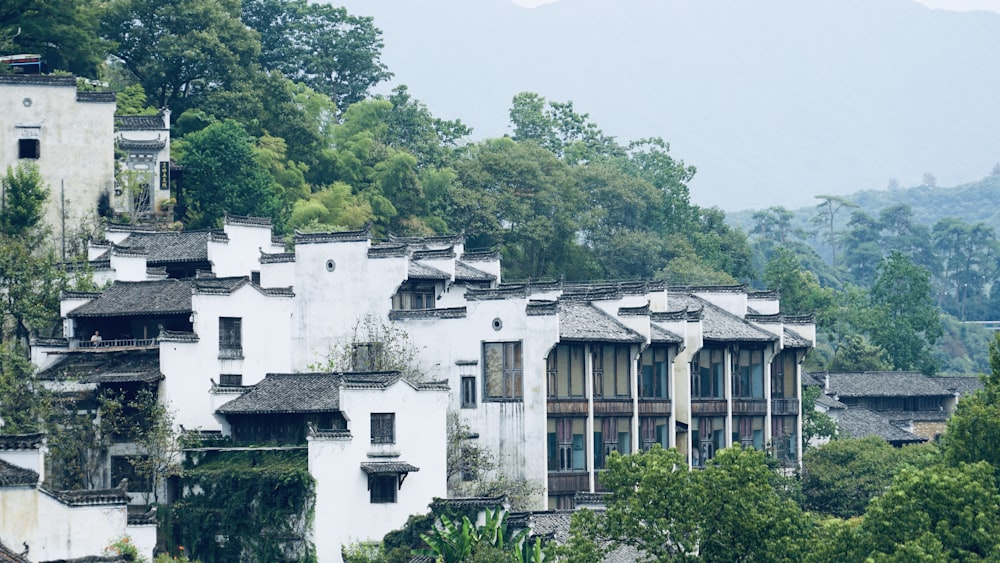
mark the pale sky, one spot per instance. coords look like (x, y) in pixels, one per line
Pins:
(954, 5)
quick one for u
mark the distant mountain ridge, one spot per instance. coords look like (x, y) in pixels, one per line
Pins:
(973, 202)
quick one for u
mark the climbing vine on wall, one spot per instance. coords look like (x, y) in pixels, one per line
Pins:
(247, 505)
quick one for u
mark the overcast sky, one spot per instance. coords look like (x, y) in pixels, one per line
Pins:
(954, 5)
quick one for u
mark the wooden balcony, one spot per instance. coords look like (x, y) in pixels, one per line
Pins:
(708, 407)
(749, 406)
(110, 345)
(784, 406)
(655, 407)
(568, 481)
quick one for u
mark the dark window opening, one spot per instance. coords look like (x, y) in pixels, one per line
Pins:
(29, 148)
(383, 428)
(468, 391)
(231, 380)
(230, 337)
(383, 488)
(128, 467)
(255, 277)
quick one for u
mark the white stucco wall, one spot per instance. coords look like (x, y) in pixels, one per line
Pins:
(241, 255)
(190, 367)
(76, 531)
(344, 511)
(76, 142)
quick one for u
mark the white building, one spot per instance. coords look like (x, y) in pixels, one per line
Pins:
(39, 524)
(68, 134)
(551, 377)
(144, 141)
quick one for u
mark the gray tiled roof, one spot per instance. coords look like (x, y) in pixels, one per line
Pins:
(96, 97)
(418, 271)
(247, 220)
(218, 286)
(719, 325)
(277, 257)
(129, 299)
(90, 497)
(169, 247)
(140, 145)
(861, 422)
(659, 334)
(962, 385)
(387, 467)
(131, 365)
(829, 402)
(465, 272)
(481, 255)
(583, 322)
(795, 340)
(555, 524)
(338, 236)
(15, 476)
(8, 555)
(139, 123)
(434, 253)
(283, 393)
(885, 384)
(440, 313)
(469, 502)
(31, 441)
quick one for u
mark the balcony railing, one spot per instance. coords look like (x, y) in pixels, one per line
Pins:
(113, 344)
(784, 406)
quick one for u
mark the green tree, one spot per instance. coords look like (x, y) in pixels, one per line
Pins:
(956, 506)
(178, 49)
(319, 45)
(22, 199)
(742, 515)
(653, 505)
(801, 292)
(24, 404)
(841, 477)
(64, 32)
(973, 432)
(901, 318)
(245, 189)
(132, 101)
(854, 353)
(826, 217)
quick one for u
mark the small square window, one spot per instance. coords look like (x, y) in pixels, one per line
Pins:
(383, 428)
(28, 148)
(230, 380)
(255, 277)
(468, 391)
(383, 488)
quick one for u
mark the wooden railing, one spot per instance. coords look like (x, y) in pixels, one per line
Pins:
(116, 343)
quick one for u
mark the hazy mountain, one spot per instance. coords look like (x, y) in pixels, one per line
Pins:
(773, 101)
(973, 202)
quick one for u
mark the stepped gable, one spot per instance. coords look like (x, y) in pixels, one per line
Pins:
(247, 221)
(719, 325)
(277, 257)
(466, 273)
(120, 366)
(582, 322)
(142, 145)
(641, 311)
(434, 253)
(361, 235)
(139, 123)
(288, 393)
(661, 335)
(32, 441)
(505, 291)
(884, 384)
(437, 313)
(387, 250)
(538, 307)
(858, 422)
(170, 247)
(218, 286)
(481, 255)
(131, 299)
(96, 97)
(668, 316)
(91, 497)
(418, 271)
(427, 243)
(16, 476)
(795, 340)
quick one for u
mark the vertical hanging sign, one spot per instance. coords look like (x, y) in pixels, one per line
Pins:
(165, 175)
